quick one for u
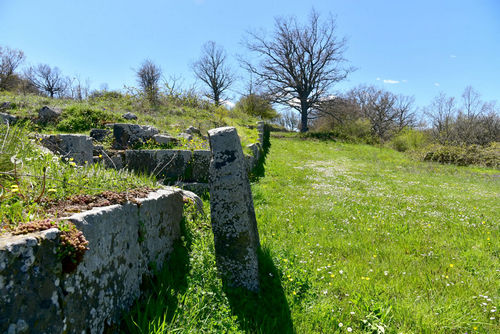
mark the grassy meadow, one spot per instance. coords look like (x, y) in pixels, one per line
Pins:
(354, 238)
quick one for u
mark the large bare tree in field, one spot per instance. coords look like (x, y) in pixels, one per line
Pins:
(299, 63)
(213, 70)
(47, 79)
(148, 77)
(10, 59)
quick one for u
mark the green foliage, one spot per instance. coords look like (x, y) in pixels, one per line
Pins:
(409, 139)
(464, 155)
(257, 106)
(30, 178)
(357, 131)
(78, 118)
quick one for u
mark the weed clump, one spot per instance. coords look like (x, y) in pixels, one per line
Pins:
(72, 244)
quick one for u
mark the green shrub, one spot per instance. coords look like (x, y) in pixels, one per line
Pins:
(409, 139)
(78, 118)
(358, 131)
(464, 155)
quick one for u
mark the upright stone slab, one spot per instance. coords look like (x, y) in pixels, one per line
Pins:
(233, 216)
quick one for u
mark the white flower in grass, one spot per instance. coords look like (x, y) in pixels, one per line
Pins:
(341, 324)
(349, 329)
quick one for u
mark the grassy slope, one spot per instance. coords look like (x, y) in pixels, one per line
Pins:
(369, 237)
(173, 115)
(354, 237)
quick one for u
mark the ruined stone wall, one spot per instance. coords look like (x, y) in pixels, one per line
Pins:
(125, 241)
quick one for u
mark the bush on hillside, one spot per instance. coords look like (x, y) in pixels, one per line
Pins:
(409, 139)
(464, 155)
(78, 118)
(357, 131)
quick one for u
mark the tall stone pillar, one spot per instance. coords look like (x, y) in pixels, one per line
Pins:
(233, 216)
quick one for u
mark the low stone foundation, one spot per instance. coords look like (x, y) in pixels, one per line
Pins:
(125, 242)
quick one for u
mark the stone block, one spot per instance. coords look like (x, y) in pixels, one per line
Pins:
(99, 134)
(165, 140)
(232, 211)
(30, 285)
(48, 115)
(128, 135)
(200, 164)
(169, 165)
(78, 147)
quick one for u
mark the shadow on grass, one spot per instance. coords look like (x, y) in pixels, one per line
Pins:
(161, 290)
(267, 311)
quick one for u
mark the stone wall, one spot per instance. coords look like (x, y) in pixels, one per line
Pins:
(124, 242)
(182, 167)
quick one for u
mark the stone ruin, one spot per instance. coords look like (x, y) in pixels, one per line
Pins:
(124, 240)
(184, 168)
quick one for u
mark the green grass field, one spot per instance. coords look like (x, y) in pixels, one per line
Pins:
(355, 239)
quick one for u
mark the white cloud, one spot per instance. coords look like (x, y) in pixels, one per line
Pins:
(453, 56)
(404, 80)
(378, 79)
(388, 81)
(229, 104)
(436, 84)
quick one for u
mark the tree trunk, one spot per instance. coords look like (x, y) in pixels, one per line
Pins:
(303, 113)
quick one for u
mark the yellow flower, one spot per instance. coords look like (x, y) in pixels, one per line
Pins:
(451, 265)
(100, 156)
(51, 190)
(374, 255)
(294, 293)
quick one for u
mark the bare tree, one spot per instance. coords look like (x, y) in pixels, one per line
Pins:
(388, 113)
(79, 89)
(47, 79)
(300, 63)
(441, 113)
(10, 59)
(213, 70)
(148, 77)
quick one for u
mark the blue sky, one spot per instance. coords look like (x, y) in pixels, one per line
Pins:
(415, 48)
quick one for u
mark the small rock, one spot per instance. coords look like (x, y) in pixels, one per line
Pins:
(7, 118)
(165, 140)
(47, 115)
(186, 136)
(129, 116)
(193, 131)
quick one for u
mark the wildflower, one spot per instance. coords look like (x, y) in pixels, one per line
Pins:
(14, 188)
(451, 265)
(349, 329)
(294, 293)
(100, 156)
(374, 255)
(72, 164)
(352, 313)
(51, 190)
(341, 324)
